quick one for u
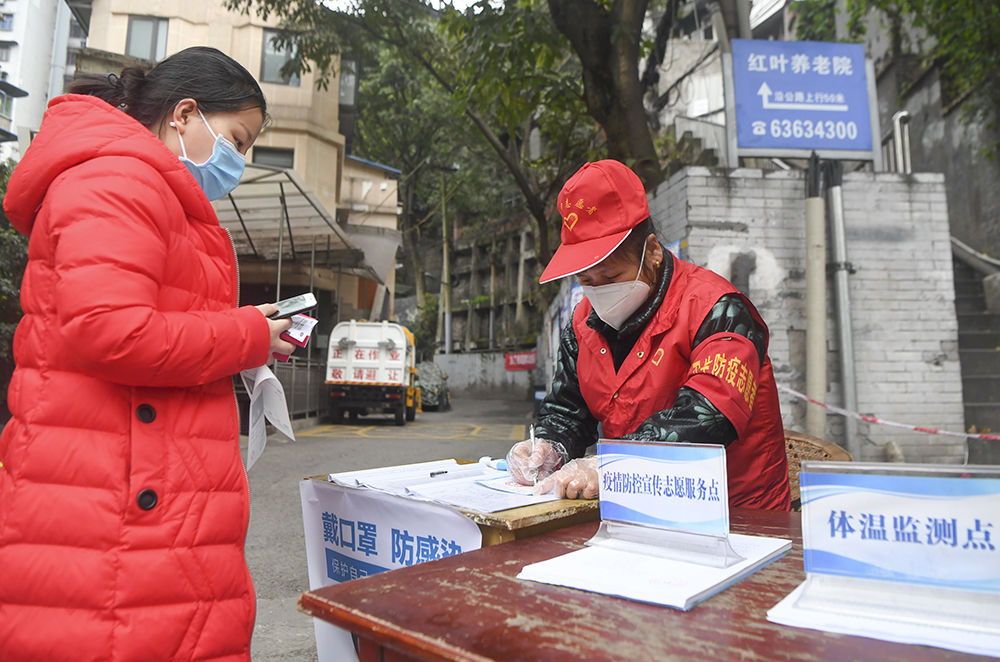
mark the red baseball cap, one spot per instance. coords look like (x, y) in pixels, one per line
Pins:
(599, 206)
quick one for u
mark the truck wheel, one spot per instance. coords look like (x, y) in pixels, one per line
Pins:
(411, 412)
(401, 414)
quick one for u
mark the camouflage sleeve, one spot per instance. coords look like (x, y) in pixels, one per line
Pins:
(730, 314)
(693, 418)
(564, 416)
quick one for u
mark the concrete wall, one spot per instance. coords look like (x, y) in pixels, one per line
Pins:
(942, 139)
(902, 294)
(483, 373)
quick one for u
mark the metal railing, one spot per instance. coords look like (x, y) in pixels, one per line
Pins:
(896, 144)
(304, 381)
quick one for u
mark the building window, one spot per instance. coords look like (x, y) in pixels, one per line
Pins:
(147, 38)
(75, 30)
(348, 82)
(6, 22)
(272, 59)
(6, 105)
(4, 52)
(274, 156)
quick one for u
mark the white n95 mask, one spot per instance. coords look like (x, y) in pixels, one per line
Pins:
(616, 302)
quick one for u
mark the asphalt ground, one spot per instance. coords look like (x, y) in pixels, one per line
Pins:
(275, 546)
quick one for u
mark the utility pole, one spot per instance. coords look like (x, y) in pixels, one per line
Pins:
(445, 269)
(815, 300)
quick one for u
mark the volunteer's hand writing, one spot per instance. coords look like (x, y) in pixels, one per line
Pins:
(277, 327)
(526, 466)
(576, 480)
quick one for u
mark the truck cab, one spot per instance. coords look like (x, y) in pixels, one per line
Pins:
(371, 368)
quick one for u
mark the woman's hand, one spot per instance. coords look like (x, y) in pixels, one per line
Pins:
(276, 327)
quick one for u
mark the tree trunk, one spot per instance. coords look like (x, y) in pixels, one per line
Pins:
(411, 245)
(607, 43)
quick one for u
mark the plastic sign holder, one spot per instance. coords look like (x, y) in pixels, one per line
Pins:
(907, 544)
(665, 499)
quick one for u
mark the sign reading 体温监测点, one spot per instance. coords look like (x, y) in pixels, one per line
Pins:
(900, 552)
(789, 98)
(680, 487)
(930, 530)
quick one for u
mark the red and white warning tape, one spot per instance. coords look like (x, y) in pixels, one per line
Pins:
(879, 421)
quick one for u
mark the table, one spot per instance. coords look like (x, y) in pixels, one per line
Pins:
(470, 607)
(516, 523)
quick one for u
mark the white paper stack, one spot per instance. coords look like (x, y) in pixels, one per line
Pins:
(652, 578)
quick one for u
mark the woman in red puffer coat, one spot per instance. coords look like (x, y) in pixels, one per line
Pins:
(123, 499)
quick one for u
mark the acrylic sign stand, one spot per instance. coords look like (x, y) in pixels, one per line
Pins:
(665, 499)
(913, 547)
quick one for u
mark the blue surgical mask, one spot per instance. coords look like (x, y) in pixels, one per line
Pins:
(220, 174)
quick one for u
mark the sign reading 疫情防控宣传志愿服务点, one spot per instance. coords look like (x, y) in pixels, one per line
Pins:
(794, 97)
(671, 486)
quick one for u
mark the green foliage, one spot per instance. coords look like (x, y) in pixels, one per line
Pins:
(518, 69)
(499, 73)
(814, 20)
(13, 257)
(961, 36)
(425, 327)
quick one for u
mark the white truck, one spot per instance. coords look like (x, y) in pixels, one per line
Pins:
(370, 367)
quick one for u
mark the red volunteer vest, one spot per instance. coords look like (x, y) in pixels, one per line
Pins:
(722, 368)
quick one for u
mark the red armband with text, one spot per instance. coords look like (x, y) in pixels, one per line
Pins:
(725, 368)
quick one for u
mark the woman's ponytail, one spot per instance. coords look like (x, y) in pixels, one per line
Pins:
(213, 79)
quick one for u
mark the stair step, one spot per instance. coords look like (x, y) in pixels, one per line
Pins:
(979, 361)
(970, 284)
(978, 340)
(979, 322)
(707, 157)
(981, 388)
(969, 304)
(983, 415)
(983, 451)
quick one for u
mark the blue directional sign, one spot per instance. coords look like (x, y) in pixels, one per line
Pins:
(801, 95)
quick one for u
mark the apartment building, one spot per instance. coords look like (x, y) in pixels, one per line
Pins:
(302, 199)
(38, 44)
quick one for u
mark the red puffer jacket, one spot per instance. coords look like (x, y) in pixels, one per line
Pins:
(123, 500)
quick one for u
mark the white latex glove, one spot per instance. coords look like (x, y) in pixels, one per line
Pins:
(528, 467)
(576, 480)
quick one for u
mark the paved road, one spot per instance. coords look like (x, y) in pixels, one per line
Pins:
(275, 543)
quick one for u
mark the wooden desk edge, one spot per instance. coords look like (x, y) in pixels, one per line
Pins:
(522, 517)
(525, 516)
(407, 642)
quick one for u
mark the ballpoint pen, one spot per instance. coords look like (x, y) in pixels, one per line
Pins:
(531, 433)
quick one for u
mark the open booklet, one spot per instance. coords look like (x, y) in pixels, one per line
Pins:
(651, 577)
(474, 487)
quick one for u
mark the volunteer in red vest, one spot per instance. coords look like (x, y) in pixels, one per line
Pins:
(658, 350)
